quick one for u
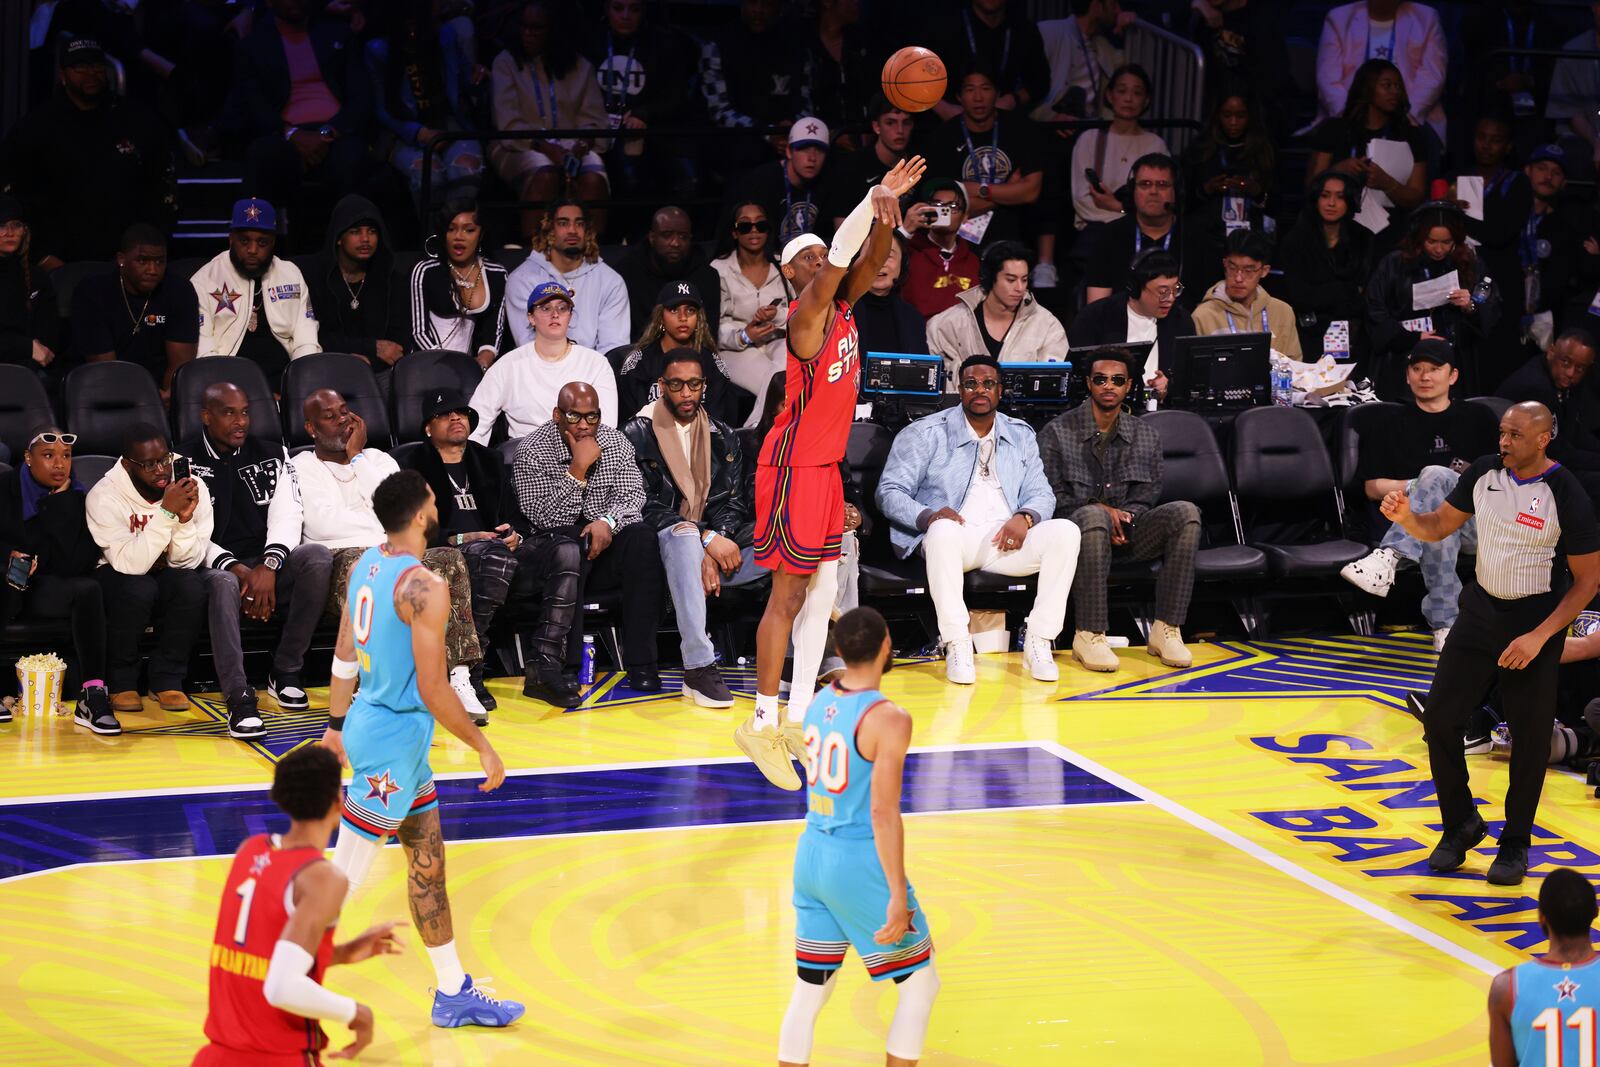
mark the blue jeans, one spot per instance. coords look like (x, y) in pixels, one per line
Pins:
(681, 553)
(456, 168)
(1437, 558)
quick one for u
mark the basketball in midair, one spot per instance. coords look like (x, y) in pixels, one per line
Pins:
(913, 79)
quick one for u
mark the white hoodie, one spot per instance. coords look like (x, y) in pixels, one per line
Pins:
(226, 297)
(600, 315)
(133, 533)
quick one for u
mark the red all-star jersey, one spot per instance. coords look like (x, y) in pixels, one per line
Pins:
(813, 428)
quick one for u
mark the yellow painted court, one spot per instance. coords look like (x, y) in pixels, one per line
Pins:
(1211, 866)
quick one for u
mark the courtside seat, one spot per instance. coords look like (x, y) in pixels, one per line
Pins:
(345, 374)
(1496, 404)
(419, 373)
(24, 406)
(106, 400)
(189, 385)
(1287, 500)
(1193, 470)
(90, 469)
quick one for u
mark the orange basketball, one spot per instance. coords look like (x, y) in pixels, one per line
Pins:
(913, 79)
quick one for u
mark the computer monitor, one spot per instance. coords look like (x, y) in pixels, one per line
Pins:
(901, 374)
(1133, 353)
(1225, 370)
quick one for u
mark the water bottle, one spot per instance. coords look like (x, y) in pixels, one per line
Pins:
(1282, 382)
(1480, 292)
(586, 672)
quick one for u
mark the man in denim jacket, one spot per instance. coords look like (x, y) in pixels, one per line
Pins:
(966, 483)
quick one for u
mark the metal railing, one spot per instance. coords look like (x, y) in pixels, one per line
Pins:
(1177, 69)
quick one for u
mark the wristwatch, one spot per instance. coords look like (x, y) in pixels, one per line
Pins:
(983, 190)
(272, 563)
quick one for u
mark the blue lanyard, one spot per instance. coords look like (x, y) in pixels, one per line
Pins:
(1528, 247)
(1138, 240)
(788, 191)
(1095, 73)
(1393, 29)
(554, 118)
(1518, 62)
(1501, 185)
(1235, 329)
(993, 165)
(616, 100)
(972, 43)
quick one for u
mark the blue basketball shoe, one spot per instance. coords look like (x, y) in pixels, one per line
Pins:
(473, 1007)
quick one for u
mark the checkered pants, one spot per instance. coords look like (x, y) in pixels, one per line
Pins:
(460, 637)
(1170, 531)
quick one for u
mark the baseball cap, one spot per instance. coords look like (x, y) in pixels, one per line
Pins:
(798, 245)
(1549, 153)
(546, 291)
(1432, 350)
(442, 402)
(809, 131)
(254, 213)
(80, 52)
(676, 294)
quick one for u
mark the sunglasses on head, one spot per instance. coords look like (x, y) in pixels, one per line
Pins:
(572, 418)
(54, 439)
(759, 226)
(1118, 380)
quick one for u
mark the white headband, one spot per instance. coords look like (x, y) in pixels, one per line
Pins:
(798, 245)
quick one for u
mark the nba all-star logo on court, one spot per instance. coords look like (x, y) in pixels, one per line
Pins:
(380, 786)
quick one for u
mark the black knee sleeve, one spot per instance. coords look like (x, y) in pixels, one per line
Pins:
(814, 976)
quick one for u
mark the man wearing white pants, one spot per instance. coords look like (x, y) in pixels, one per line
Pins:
(967, 485)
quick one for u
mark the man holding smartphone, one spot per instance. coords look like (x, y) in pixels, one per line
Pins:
(940, 263)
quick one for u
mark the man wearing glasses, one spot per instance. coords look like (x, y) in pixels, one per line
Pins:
(1152, 224)
(967, 485)
(695, 500)
(1147, 311)
(153, 529)
(579, 485)
(523, 383)
(1239, 304)
(1104, 465)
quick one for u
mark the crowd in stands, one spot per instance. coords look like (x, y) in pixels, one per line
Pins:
(1419, 208)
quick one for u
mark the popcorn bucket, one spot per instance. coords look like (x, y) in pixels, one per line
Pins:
(40, 677)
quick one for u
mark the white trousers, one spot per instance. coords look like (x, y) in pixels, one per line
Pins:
(951, 549)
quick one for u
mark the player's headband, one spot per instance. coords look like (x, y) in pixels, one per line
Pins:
(798, 245)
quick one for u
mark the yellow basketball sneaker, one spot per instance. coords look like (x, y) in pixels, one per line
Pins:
(768, 750)
(794, 738)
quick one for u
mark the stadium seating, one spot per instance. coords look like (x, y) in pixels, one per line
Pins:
(350, 377)
(1285, 485)
(1496, 404)
(89, 469)
(192, 380)
(420, 373)
(24, 406)
(106, 400)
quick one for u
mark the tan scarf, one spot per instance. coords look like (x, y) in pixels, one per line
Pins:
(691, 473)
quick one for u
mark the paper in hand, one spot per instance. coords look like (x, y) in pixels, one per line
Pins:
(1393, 157)
(1374, 213)
(1435, 292)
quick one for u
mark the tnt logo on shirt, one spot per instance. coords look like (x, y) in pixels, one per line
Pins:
(1528, 518)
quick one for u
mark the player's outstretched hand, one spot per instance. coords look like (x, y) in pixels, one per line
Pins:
(904, 176)
(1396, 506)
(361, 1026)
(380, 940)
(494, 772)
(335, 740)
(897, 920)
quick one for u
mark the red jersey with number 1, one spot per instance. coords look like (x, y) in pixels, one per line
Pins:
(813, 427)
(256, 902)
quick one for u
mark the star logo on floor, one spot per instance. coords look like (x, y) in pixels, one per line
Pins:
(380, 787)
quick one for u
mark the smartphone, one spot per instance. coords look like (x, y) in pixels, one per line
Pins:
(776, 301)
(1093, 177)
(19, 571)
(929, 216)
(942, 214)
(180, 468)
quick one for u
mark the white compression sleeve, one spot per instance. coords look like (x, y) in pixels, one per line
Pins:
(353, 855)
(810, 636)
(800, 1020)
(909, 1026)
(852, 232)
(289, 987)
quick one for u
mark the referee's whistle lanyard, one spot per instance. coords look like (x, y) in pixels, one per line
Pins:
(989, 170)
(616, 99)
(1233, 327)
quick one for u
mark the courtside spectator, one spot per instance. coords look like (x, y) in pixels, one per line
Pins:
(1081, 57)
(1152, 224)
(359, 299)
(997, 156)
(1558, 378)
(566, 252)
(999, 317)
(967, 486)
(137, 314)
(791, 189)
(753, 74)
(1241, 304)
(997, 36)
(940, 263)
(254, 303)
(1326, 258)
(754, 299)
(668, 253)
(694, 498)
(1575, 94)
(523, 384)
(30, 326)
(540, 82)
(1111, 154)
(1403, 33)
(88, 163)
(678, 322)
(885, 322)
(1148, 310)
(1375, 108)
(852, 174)
(456, 294)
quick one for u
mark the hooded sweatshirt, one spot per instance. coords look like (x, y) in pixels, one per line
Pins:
(1220, 313)
(380, 301)
(599, 302)
(135, 533)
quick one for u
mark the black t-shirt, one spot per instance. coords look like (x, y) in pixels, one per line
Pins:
(464, 519)
(850, 176)
(792, 209)
(1410, 439)
(1114, 245)
(260, 345)
(1010, 146)
(104, 314)
(993, 344)
(1340, 140)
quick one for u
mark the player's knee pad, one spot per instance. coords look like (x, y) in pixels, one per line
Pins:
(910, 1024)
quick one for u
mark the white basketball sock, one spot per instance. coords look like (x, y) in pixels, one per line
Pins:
(353, 855)
(910, 1024)
(800, 1020)
(448, 975)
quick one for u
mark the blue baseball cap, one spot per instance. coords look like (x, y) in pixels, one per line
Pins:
(1548, 153)
(548, 291)
(254, 213)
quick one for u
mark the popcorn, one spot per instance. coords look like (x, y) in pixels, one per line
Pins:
(42, 661)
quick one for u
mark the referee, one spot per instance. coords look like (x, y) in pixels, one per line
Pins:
(1513, 618)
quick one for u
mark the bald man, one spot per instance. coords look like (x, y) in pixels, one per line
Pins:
(1512, 620)
(579, 486)
(667, 254)
(252, 569)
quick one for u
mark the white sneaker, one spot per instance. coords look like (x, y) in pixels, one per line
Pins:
(1040, 656)
(461, 682)
(1439, 636)
(1044, 276)
(1374, 572)
(959, 666)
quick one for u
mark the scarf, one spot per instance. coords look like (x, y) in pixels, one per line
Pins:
(691, 473)
(33, 494)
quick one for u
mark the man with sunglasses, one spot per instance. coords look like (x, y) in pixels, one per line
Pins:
(1239, 303)
(966, 485)
(153, 529)
(696, 502)
(1104, 465)
(579, 485)
(1148, 311)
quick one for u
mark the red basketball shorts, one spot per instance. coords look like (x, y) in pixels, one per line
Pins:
(799, 517)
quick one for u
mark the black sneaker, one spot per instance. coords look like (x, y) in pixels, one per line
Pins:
(1451, 852)
(550, 685)
(6, 704)
(645, 679)
(485, 697)
(287, 692)
(1509, 865)
(1479, 737)
(705, 687)
(94, 711)
(244, 717)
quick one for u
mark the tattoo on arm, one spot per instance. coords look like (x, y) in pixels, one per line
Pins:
(430, 903)
(415, 590)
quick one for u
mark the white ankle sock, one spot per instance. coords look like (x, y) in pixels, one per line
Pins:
(448, 975)
(766, 716)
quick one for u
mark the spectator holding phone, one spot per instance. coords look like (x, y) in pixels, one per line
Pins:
(940, 263)
(1227, 174)
(754, 299)
(1102, 160)
(50, 562)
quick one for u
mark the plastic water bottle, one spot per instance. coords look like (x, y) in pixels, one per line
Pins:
(1481, 291)
(1282, 382)
(586, 672)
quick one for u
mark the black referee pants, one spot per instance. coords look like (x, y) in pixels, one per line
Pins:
(1467, 668)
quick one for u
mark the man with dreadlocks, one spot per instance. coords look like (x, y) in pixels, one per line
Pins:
(565, 252)
(678, 321)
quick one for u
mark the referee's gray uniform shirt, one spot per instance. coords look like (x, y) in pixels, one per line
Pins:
(1524, 525)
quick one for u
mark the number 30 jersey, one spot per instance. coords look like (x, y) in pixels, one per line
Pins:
(819, 399)
(1553, 1012)
(839, 781)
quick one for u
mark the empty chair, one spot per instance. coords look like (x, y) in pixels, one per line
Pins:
(1288, 506)
(24, 406)
(107, 400)
(189, 387)
(347, 375)
(420, 373)
(90, 469)
(1496, 404)
(1192, 469)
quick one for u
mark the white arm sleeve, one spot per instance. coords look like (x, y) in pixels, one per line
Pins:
(289, 987)
(852, 232)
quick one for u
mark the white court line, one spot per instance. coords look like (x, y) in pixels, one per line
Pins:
(448, 776)
(1275, 861)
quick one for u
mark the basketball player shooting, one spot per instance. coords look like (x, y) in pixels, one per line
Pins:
(799, 494)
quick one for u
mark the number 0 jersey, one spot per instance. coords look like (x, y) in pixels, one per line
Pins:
(256, 903)
(383, 641)
(1553, 1012)
(813, 427)
(839, 781)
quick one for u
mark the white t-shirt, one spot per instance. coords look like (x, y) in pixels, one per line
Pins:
(1141, 328)
(986, 499)
(524, 386)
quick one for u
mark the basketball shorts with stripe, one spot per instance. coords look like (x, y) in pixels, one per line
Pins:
(799, 517)
(840, 899)
(390, 778)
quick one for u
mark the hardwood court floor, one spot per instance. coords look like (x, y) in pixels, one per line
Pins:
(1218, 865)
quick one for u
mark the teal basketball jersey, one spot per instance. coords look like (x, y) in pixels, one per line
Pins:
(839, 781)
(1553, 1012)
(383, 642)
